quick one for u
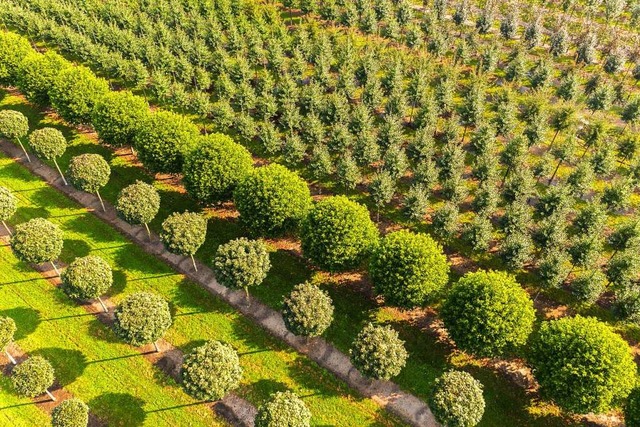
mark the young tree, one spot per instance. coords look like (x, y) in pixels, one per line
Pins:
(378, 352)
(457, 400)
(338, 234)
(87, 278)
(210, 371)
(559, 42)
(49, 143)
(630, 115)
(561, 120)
(632, 408)
(33, 377)
(7, 331)
(116, 117)
(15, 127)
(616, 195)
(516, 250)
(283, 409)
(569, 86)
(138, 203)
(13, 48)
(36, 74)
(444, 221)
(37, 241)
(75, 92)
(416, 202)
(272, 200)
(8, 206)
(184, 233)
(347, 171)
(320, 162)
(70, 413)
(382, 188)
(89, 172)
(553, 268)
(588, 286)
(308, 310)
(142, 318)
(602, 368)
(478, 233)
(242, 263)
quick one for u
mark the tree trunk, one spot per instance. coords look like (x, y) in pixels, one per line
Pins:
(8, 230)
(60, 172)
(101, 202)
(246, 291)
(148, 231)
(55, 268)
(155, 345)
(104, 307)
(193, 260)
(13, 361)
(24, 150)
(133, 151)
(553, 140)
(554, 173)
(504, 178)
(50, 395)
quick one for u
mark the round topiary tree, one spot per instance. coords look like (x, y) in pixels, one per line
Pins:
(184, 233)
(142, 318)
(338, 234)
(163, 139)
(456, 400)
(7, 331)
(8, 206)
(632, 408)
(378, 352)
(49, 144)
(242, 263)
(15, 127)
(116, 117)
(37, 241)
(36, 74)
(215, 167)
(308, 310)
(283, 409)
(408, 268)
(70, 413)
(75, 92)
(582, 364)
(138, 203)
(33, 377)
(86, 278)
(89, 172)
(211, 371)
(487, 313)
(272, 199)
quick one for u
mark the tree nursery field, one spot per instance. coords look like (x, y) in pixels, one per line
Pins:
(432, 207)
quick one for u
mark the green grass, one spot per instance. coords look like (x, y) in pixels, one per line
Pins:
(18, 411)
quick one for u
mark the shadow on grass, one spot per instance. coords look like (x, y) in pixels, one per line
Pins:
(119, 409)
(27, 320)
(68, 364)
(98, 330)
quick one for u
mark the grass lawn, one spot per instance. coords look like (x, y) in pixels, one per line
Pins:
(18, 411)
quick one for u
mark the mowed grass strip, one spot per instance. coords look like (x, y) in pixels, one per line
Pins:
(268, 365)
(18, 411)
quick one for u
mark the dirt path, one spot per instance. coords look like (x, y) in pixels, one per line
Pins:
(405, 405)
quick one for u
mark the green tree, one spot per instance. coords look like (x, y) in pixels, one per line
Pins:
(445, 221)
(382, 188)
(416, 202)
(588, 286)
(89, 172)
(242, 263)
(86, 278)
(378, 352)
(516, 250)
(33, 377)
(75, 92)
(8, 206)
(457, 400)
(116, 117)
(13, 48)
(138, 203)
(184, 233)
(49, 143)
(283, 409)
(7, 332)
(70, 413)
(210, 371)
(36, 75)
(632, 408)
(553, 268)
(15, 127)
(37, 241)
(142, 318)
(478, 233)
(308, 310)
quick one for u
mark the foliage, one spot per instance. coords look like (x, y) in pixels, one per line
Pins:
(89, 172)
(457, 400)
(183, 233)
(7, 331)
(308, 310)
(142, 318)
(48, 143)
(33, 376)
(37, 241)
(378, 352)
(241, 263)
(37, 73)
(283, 409)
(87, 278)
(210, 371)
(70, 413)
(632, 408)
(116, 117)
(8, 204)
(12, 49)
(338, 234)
(13, 124)
(138, 203)
(588, 286)
(75, 92)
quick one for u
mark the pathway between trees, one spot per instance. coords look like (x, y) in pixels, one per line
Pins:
(386, 393)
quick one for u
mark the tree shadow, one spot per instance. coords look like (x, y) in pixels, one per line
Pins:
(74, 248)
(68, 364)
(192, 298)
(99, 330)
(259, 391)
(27, 320)
(119, 409)
(26, 213)
(94, 229)
(132, 259)
(119, 283)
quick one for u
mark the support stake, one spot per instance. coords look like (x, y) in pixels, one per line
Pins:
(50, 395)
(55, 268)
(13, 361)
(60, 172)
(193, 260)
(104, 307)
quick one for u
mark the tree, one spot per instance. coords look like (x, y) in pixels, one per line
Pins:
(616, 195)
(488, 313)
(559, 42)
(283, 409)
(553, 268)
(588, 286)
(70, 413)
(138, 203)
(13, 48)
(271, 200)
(516, 250)
(581, 364)
(8, 206)
(215, 167)
(561, 120)
(625, 236)
(33, 377)
(338, 234)
(37, 241)
(632, 408)
(184, 233)
(382, 189)
(308, 310)
(14, 126)
(86, 278)
(478, 233)
(457, 400)
(116, 117)
(89, 172)
(163, 139)
(378, 352)
(37, 73)
(416, 202)
(444, 221)
(7, 332)
(75, 92)
(242, 263)
(142, 318)
(631, 112)
(210, 371)
(408, 268)
(320, 163)
(49, 143)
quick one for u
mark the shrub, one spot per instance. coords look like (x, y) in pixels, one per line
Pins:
(37, 241)
(14, 126)
(138, 203)
(163, 139)
(117, 116)
(142, 318)
(308, 310)
(581, 364)
(88, 277)
(588, 286)
(48, 143)
(212, 370)
(283, 409)
(7, 331)
(37, 73)
(70, 413)
(456, 400)
(89, 172)
(242, 263)
(408, 268)
(378, 352)
(487, 313)
(184, 233)
(75, 92)
(272, 199)
(32, 377)
(632, 408)
(12, 49)
(215, 167)
(338, 234)
(8, 204)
